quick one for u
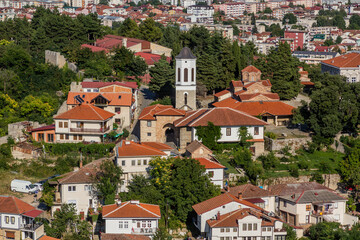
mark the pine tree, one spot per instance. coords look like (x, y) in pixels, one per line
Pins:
(163, 78)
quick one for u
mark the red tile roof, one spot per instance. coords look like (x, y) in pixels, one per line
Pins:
(85, 112)
(130, 149)
(33, 213)
(249, 191)
(44, 128)
(223, 92)
(350, 60)
(293, 188)
(115, 99)
(250, 68)
(48, 238)
(94, 48)
(244, 97)
(113, 236)
(150, 112)
(131, 210)
(83, 175)
(13, 205)
(132, 85)
(222, 116)
(157, 145)
(237, 83)
(219, 201)
(208, 164)
(151, 58)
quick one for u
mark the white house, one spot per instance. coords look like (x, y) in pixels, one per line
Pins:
(17, 219)
(131, 217)
(201, 13)
(76, 188)
(84, 122)
(134, 158)
(347, 65)
(246, 223)
(214, 170)
(222, 204)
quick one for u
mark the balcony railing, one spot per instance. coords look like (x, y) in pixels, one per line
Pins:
(31, 226)
(144, 230)
(89, 130)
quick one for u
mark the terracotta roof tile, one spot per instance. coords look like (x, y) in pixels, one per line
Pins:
(115, 99)
(151, 58)
(219, 117)
(350, 60)
(237, 83)
(250, 68)
(208, 164)
(130, 148)
(219, 201)
(48, 238)
(244, 97)
(150, 112)
(131, 210)
(223, 92)
(43, 128)
(249, 191)
(157, 145)
(132, 85)
(85, 112)
(83, 175)
(13, 205)
(194, 145)
(113, 236)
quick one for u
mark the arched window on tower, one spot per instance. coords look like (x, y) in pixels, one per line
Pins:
(185, 98)
(186, 75)
(179, 75)
(192, 75)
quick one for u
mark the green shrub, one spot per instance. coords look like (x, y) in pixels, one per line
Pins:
(269, 161)
(303, 164)
(67, 148)
(126, 133)
(270, 135)
(294, 170)
(325, 166)
(317, 177)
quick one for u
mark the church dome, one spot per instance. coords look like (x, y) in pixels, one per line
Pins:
(185, 54)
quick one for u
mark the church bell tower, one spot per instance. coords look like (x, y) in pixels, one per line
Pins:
(185, 82)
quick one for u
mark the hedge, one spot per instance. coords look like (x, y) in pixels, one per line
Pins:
(65, 148)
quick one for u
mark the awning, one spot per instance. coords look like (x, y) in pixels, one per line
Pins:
(33, 213)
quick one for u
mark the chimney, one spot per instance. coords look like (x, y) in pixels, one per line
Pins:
(218, 216)
(117, 200)
(124, 42)
(81, 164)
(240, 195)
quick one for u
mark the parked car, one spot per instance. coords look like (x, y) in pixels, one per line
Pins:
(22, 186)
(38, 186)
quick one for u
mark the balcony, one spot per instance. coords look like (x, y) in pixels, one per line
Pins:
(144, 231)
(31, 226)
(89, 130)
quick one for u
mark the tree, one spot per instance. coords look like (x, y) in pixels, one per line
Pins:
(64, 219)
(107, 181)
(292, 19)
(244, 137)
(149, 31)
(125, 63)
(209, 135)
(338, 40)
(129, 28)
(36, 108)
(268, 10)
(163, 78)
(324, 231)
(350, 168)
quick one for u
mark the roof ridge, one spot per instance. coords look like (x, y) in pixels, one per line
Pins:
(247, 115)
(147, 210)
(125, 203)
(229, 215)
(195, 111)
(202, 115)
(95, 111)
(15, 203)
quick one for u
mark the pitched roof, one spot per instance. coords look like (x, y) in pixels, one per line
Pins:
(150, 112)
(83, 175)
(114, 236)
(151, 58)
(291, 188)
(44, 128)
(250, 68)
(314, 196)
(222, 116)
(249, 191)
(130, 148)
(85, 112)
(244, 97)
(350, 60)
(194, 145)
(185, 53)
(33, 213)
(131, 209)
(219, 201)
(222, 93)
(158, 145)
(208, 164)
(115, 99)
(13, 205)
(132, 85)
(48, 238)
(237, 83)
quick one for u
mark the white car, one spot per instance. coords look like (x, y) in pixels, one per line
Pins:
(38, 186)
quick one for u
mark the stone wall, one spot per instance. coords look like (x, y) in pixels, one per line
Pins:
(278, 144)
(331, 180)
(3, 140)
(55, 58)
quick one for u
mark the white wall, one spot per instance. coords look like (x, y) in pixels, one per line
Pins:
(112, 225)
(3, 224)
(80, 195)
(218, 178)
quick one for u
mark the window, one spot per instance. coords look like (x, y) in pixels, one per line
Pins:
(118, 110)
(50, 137)
(228, 131)
(79, 124)
(71, 188)
(121, 224)
(149, 224)
(268, 238)
(353, 79)
(123, 163)
(244, 226)
(118, 121)
(60, 124)
(255, 226)
(211, 174)
(227, 238)
(192, 75)
(61, 136)
(249, 227)
(185, 98)
(308, 207)
(222, 238)
(143, 224)
(234, 229)
(186, 75)
(87, 187)
(138, 224)
(149, 134)
(144, 162)
(67, 136)
(139, 162)
(228, 230)
(179, 74)
(75, 137)
(264, 229)
(66, 125)
(7, 219)
(256, 130)
(80, 137)
(222, 229)
(40, 137)
(335, 205)
(149, 123)
(307, 219)
(133, 162)
(126, 224)
(269, 229)
(280, 237)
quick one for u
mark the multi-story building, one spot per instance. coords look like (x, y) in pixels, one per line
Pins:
(231, 8)
(201, 13)
(312, 57)
(347, 65)
(84, 122)
(17, 219)
(130, 217)
(299, 38)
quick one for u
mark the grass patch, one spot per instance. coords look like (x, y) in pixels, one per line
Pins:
(224, 159)
(317, 158)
